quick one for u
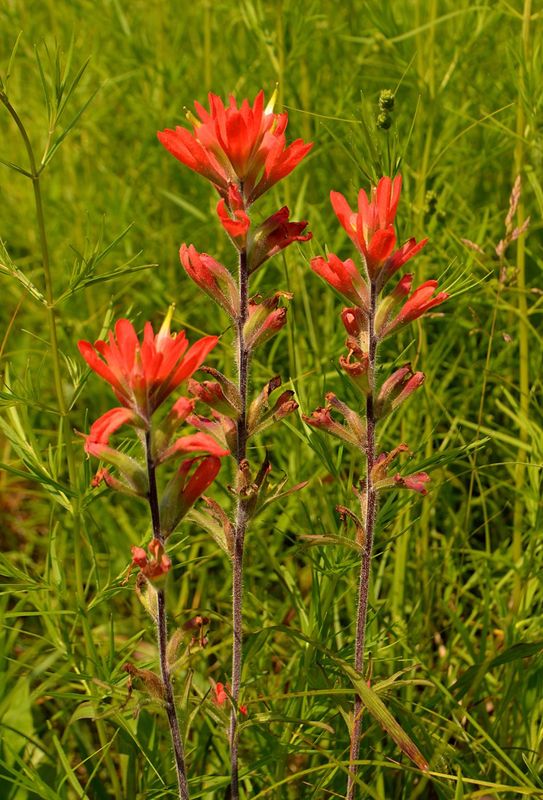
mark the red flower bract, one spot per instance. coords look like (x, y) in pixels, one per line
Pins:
(371, 228)
(143, 374)
(245, 146)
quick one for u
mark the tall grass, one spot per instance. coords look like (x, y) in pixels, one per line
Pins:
(454, 638)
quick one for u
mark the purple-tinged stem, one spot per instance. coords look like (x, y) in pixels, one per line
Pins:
(243, 355)
(369, 512)
(162, 636)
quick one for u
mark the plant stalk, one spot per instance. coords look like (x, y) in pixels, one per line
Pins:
(369, 512)
(519, 510)
(240, 527)
(162, 635)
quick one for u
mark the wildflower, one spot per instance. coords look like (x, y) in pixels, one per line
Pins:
(212, 277)
(184, 489)
(245, 146)
(143, 374)
(156, 566)
(233, 216)
(266, 318)
(273, 235)
(344, 277)
(421, 301)
(371, 228)
(396, 389)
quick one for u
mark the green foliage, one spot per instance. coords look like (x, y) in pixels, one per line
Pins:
(455, 612)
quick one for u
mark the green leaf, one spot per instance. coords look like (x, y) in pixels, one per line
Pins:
(380, 712)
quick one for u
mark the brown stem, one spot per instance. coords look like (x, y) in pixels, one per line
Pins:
(369, 509)
(162, 636)
(240, 527)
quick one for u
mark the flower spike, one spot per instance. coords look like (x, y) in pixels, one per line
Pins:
(143, 374)
(243, 145)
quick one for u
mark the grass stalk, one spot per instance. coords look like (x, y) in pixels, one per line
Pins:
(523, 328)
(162, 636)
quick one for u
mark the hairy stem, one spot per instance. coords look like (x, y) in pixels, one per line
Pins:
(369, 509)
(162, 636)
(243, 354)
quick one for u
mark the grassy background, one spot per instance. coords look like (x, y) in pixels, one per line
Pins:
(455, 622)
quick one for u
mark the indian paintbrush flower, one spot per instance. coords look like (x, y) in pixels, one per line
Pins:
(242, 150)
(244, 146)
(212, 277)
(367, 322)
(143, 374)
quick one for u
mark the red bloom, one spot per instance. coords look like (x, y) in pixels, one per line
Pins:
(155, 567)
(98, 438)
(344, 277)
(233, 216)
(221, 697)
(371, 228)
(245, 146)
(273, 235)
(193, 443)
(419, 303)
(184, 489)
(144, 374)
(397, 388)
(355, 321)
(416, 482)
(212, 277)
(265, 319)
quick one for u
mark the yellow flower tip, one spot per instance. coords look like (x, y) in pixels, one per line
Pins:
(272, 101)
(194, 121)
(164, 332)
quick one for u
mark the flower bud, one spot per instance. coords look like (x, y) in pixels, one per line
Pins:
(233, 217)
(152, 568)
(418, 304)
(416, 482)
(357, 371)
(263, 412)
(344, 277)
(212, 394)
(265, 319)
(273, 235)
(184, 489)
(221, 428)
(388, 304)
(354, 433)
(396, 389)
(211, 277)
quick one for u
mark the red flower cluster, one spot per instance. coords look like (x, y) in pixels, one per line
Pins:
(143, 374)
(245, 146)
(371, 319)
(371, 230)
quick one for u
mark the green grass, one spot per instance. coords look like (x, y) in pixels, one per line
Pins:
(456, 610)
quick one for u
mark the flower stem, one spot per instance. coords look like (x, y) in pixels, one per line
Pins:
(162, 636)
(369, 509)
(240, 527)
